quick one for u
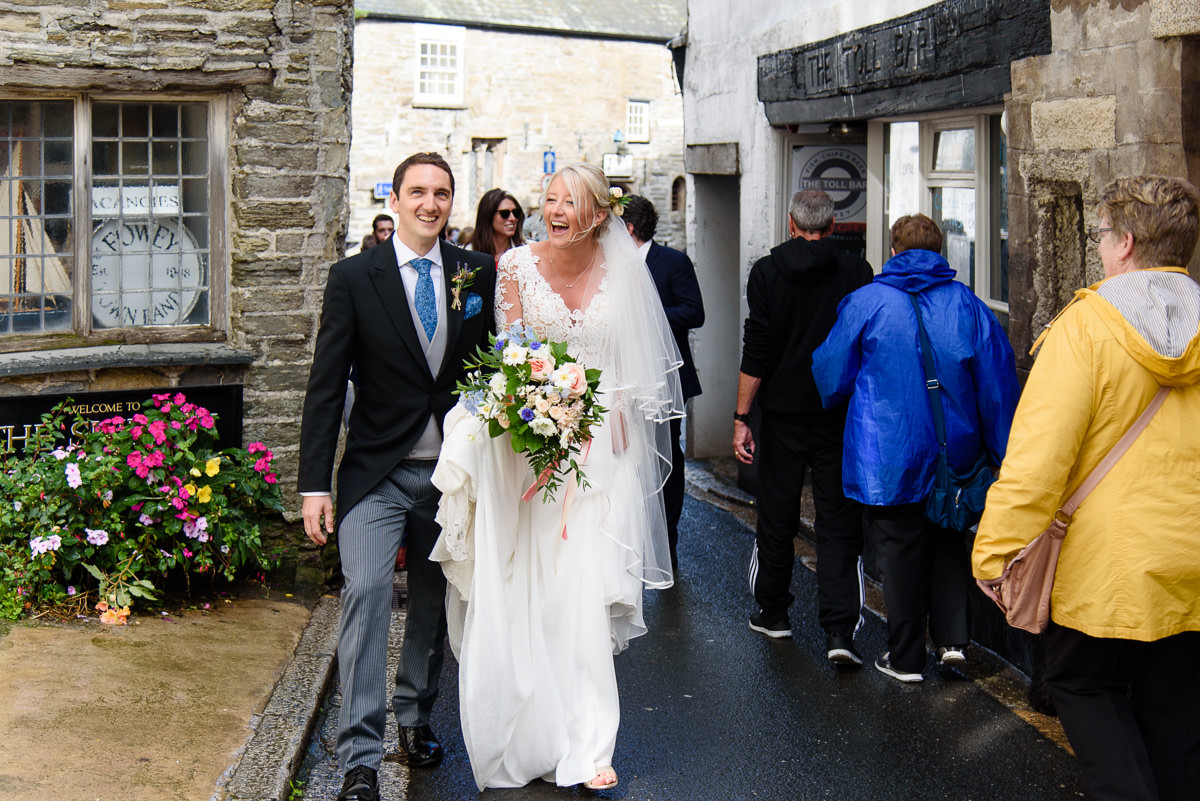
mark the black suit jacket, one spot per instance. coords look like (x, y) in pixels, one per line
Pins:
(366, 322)
(675, 280)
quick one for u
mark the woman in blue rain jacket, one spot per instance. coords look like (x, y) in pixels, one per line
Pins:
(873, 358)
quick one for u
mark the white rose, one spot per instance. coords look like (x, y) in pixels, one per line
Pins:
(498, 383)
(543, 427)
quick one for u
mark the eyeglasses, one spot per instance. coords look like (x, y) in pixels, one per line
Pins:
(1095, 234)
(506, 213)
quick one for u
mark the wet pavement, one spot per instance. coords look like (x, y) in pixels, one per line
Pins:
(711, 710)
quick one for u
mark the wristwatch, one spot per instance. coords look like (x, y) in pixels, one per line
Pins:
(742, 418)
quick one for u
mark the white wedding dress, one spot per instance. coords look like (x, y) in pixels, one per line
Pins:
(536, 614)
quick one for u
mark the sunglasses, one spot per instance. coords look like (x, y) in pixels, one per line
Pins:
(506, 213)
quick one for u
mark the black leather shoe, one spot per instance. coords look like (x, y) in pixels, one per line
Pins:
(361, 784)
(423, 749)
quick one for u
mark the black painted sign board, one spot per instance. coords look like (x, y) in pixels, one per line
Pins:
(20, 416)
(947, 39)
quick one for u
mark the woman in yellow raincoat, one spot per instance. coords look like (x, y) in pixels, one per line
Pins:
(1123, 645)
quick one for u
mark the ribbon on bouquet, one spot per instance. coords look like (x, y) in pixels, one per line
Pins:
(569, 498)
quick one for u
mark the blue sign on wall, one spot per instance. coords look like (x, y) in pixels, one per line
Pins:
(548, 162)
(382, 189)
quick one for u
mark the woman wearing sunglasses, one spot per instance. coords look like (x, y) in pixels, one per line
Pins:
(497, 223)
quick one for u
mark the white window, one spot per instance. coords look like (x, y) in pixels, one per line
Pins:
(637, 121)
(439, 80)
(952, 168)
(150, 240)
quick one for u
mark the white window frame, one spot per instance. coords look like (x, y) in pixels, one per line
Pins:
(878, 249)
(83, 326)
(637, 121)
(439, 36)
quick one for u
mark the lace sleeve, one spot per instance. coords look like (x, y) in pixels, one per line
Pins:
(508, 291)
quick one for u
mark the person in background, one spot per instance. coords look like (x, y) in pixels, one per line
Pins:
(793, 295)
(498, 221)
(1123, 643)
(381, 228)
(872, 358)
(675, 279)
(465, 236)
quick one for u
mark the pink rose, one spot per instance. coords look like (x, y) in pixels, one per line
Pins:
(541, 365)
(571, 379)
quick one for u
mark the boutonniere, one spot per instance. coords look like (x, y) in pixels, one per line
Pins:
(460, 281)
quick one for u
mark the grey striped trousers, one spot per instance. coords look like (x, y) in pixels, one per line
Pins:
(400, 509)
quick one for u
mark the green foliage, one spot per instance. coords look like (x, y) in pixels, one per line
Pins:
(105, 506)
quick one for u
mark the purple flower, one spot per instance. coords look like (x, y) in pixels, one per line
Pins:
(526, 414)
(71, 590)
(74, 480)
(145, 519)
(96, 536)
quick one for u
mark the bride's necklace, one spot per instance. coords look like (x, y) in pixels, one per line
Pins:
(578, 278)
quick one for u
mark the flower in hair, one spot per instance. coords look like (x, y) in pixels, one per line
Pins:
(617, 200)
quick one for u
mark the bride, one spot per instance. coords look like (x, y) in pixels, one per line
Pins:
(536, 614)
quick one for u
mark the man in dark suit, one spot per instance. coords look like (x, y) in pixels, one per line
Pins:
(405, 314)
(675, 279)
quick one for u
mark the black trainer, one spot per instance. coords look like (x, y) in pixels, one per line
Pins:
(839, 649)
(775, 628)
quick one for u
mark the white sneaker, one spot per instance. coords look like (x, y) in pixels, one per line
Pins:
(884, 665)
(951, 656)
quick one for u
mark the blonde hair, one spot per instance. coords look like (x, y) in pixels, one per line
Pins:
(1162, 213)
(588, 186)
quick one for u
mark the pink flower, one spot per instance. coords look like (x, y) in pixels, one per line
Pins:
(207, 422)
(187, 554)
(135, 431)
(145, 519)
(74, 480)
(180, 399)
(154, 459)
(134, 459)
(270, 478)
(262, 465)
(158, 428)
(571, 379)
(255, 447)
(179, 503)
(141, 419)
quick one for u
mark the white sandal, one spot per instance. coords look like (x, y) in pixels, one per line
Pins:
(595, 784)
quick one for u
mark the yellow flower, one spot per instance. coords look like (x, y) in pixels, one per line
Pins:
(195, 471)
(212, 466)
(205, 494)
(191, 489)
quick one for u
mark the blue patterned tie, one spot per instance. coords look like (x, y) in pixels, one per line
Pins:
(425, 299)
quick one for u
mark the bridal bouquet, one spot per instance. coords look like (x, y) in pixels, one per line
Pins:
(537, 392)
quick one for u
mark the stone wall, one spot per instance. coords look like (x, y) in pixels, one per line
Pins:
(527, 93)
(282, 71)
(1118, 95)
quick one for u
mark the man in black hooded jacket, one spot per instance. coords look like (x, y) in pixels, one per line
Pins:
(793, 295)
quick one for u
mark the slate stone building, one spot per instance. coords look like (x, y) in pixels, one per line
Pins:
(173, 183)
(508, 91)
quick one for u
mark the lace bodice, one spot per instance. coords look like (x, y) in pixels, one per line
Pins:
(585, 331)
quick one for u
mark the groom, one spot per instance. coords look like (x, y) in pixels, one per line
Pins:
(405, 314)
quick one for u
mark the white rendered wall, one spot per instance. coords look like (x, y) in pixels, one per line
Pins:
(721, 106)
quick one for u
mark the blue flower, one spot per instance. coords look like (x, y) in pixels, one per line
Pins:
(535, 345)
(526, 414)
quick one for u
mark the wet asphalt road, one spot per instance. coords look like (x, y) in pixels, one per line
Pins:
(712, 710)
